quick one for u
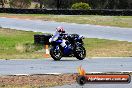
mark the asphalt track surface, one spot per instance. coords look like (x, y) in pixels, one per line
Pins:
(66, 65)
(90, 31)
(121, 85)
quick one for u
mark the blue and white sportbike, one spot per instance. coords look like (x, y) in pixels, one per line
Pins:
(74, 47)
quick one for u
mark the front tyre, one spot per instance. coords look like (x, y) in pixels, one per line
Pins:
(56, 54)
(80, 53)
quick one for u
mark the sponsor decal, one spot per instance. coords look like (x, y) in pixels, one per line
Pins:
(84, 78)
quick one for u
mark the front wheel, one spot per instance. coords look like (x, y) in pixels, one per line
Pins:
(56, 54)
(80, 53)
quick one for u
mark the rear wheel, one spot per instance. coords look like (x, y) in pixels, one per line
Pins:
(56, 54)
(80, 53)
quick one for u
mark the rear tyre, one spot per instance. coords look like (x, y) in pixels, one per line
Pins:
(56, 54)
(80, 53)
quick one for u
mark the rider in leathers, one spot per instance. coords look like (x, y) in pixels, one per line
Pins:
(59, 31)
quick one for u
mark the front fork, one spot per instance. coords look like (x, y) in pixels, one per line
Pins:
(57, 47)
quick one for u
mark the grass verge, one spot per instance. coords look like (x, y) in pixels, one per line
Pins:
(107, 48)
(118, 21)
(17, 44)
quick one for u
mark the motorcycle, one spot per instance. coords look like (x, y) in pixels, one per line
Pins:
(74, 48)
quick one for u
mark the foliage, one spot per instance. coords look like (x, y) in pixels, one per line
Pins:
(20, 3)
(81, 6)
(36, 6)
(3, 2)
(66, 4)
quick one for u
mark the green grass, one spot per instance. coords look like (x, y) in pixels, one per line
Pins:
(107, 48)
(16, 44)
(118, 21)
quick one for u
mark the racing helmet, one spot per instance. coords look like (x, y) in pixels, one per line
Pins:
(60, 29)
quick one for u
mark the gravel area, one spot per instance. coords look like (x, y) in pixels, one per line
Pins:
(36, 81)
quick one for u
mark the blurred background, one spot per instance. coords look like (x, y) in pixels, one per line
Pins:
(66, 4)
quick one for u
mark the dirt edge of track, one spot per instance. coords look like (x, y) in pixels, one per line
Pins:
(36, 81)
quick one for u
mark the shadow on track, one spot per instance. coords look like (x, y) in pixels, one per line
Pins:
(73, 60)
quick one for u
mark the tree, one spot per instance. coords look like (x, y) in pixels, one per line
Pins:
(20, 3)
(66, 4)
(44, 3)
(54, 4)
(95, 4)
(61, 4)
(2, 3)
(58, 4)
(41, 3)
(81, 6)
(130, 4)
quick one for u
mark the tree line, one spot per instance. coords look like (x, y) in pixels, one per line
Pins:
(66, 4)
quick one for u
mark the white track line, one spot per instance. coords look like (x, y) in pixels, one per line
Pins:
(64, 73)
